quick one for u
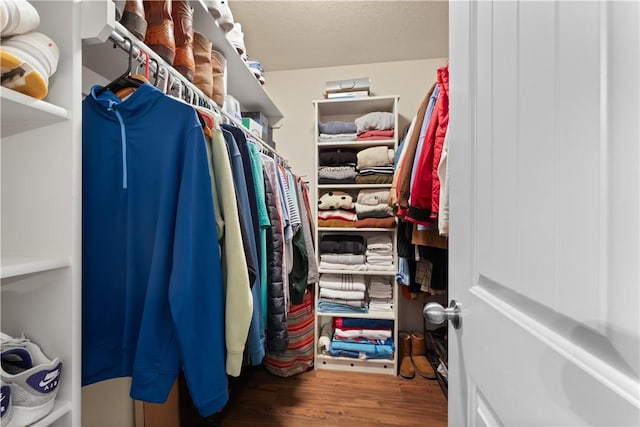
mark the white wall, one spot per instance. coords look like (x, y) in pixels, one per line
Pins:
(293, 92)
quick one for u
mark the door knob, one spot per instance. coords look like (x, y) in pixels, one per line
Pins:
(436, 314)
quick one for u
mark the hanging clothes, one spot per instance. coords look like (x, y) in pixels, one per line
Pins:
(152, 294)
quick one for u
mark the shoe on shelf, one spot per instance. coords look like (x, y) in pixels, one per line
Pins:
(182, 15)
(218, 68)
(236, 38)
(133, 18)
(202, 55)
(419, 358)
(256, 69)
(32, 379)
(159, 36)
(17, 17)
(226, 17)
(27, 61)
(214, 7)
(6, 407)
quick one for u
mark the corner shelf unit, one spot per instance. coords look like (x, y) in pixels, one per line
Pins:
(41, 212)
(348, 110)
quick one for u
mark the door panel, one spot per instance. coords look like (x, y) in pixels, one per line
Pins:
(545, 216)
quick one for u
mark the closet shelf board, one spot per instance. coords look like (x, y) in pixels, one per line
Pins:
(359, 106)
(21, 112)
(60, 409)
(19, 265)
(357, 144)
(354, 229)
(354, 186)
(242, 84)
(374, 366)
(365, 272)
(375, 315)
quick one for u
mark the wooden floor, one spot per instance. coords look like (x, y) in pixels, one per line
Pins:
(335, 399)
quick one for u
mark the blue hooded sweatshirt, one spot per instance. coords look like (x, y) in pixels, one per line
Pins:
(152, 297)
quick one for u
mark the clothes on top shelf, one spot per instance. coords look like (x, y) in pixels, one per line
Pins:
(375, 135)
(144, 273)
(376, 120)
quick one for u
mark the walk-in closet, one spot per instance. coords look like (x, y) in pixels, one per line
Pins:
(319, 213)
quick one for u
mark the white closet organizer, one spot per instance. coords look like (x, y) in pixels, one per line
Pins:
(349, 110)
(41, 209)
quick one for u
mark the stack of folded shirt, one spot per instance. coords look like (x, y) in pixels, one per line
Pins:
(379, 253)
(378, 125)
(337, 167)
(336, 206)
(342, 293)
(373, 204)
(362, 338)
(342, 252)
(380, 294)
(375, 165)
(336, 131)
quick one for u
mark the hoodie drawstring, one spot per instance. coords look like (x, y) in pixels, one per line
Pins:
(123, 138)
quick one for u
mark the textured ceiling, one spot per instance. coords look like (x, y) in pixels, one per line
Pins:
(286, 35)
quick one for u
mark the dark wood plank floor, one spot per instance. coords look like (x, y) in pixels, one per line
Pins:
(335, 399)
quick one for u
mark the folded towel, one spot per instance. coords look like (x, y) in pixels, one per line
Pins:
(372, 197)
(370, 179)
(331, 307)
(375, 134)
(375, 156)
(337, 127)
(335, 200)
(381, 210)
(342, 244)
(341, 181)
(379, 267)
(350, 267)
(339, 294)
(340, 137)
(342, 301)
(343, 286)
(338, 157)
(382, 252)
(376, 259)
(379, 241)
(346, 322)
(368, 333)
(389, 222)
(337, 172)
(376, 170)
(380, 120)
(350, 259)
(338, 214)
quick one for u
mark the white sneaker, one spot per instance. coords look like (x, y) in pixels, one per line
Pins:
(214, 7)
(236, 38)
(6, 407)
(32, 379)
(226, 17)
(27, 61)
(18, 17)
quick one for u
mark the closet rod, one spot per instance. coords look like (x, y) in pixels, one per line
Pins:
(118, 37)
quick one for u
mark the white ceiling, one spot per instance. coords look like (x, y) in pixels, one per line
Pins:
(287, 35)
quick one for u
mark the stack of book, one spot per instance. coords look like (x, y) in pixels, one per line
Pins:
(348, 88)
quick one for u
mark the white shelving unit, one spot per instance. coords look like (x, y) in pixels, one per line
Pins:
(41, 212)
(349, 110)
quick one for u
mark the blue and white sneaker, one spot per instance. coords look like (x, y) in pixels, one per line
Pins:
(6, 408)
(32, 379)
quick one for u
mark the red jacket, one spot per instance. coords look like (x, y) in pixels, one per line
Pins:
(425, 192)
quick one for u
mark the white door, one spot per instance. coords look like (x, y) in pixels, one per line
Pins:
(545, 194)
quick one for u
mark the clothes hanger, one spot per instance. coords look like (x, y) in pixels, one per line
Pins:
(126, 79)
